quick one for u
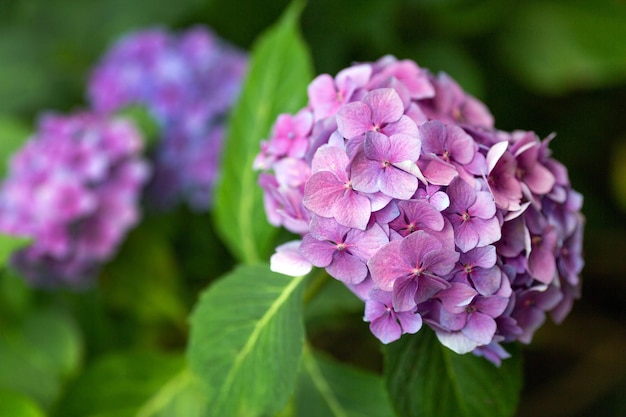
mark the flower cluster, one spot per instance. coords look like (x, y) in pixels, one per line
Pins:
(401, 188)
(74, 189)
(188, 82)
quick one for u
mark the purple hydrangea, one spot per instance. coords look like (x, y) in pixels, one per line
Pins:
(188, 82)
(401, 187)
(74, 189)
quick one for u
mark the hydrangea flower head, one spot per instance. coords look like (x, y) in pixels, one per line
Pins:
(73, 188)
(188, 82)
(402, 188)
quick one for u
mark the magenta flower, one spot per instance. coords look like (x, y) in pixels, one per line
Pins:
(530, 309)
(451, 104)
(386, 323)
(416, 215)
(447, 148)
(435, 196)
(188, 82)
(380, 111)
(406, 77)
(74, 190)
(423, 209)
(288, 260)
(472, 214)
(290, 135)
(534, 176)
(473, 326)
(329, 191)
(341, 250)
(387, 164)
(502, 177)
(412, 268)
(477, 268)
(327, 95)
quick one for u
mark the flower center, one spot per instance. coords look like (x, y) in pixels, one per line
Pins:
(446, 156)
(468, 268)
(466, 217)
(418, 269)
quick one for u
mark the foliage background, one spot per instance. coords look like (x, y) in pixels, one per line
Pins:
(549, 66)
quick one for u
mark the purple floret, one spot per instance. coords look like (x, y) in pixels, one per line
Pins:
(407, 194)
(74, 189)
(189, 83)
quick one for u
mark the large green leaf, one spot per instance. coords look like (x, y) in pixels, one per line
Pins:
(246, 341)
(182, 396)
(16, 297)
(331, 389)
(12, 134)
(425, 379)
(280, 70)
(9, 244)
(122, 384)
(14, 404)
(38, 354)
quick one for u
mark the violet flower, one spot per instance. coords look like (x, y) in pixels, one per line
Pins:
(412, 268)
(188, 82)
(473, 216)
(341, 250)
(74, 189)
(403, 190)
(385, 322)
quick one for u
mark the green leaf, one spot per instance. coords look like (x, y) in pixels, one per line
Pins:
(9, 244)
(183, 396)
(144, 122)
(328, 388)
(16, 297)
(12, 134)
(280, 70)
(246, 341)
(555, 48)
(119, 385)
(145, 270)
(426, 379)
(14, 404)
(39, 354)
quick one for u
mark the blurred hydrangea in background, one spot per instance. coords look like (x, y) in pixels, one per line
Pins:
(74, 190)
(188, 82)
(402, 189)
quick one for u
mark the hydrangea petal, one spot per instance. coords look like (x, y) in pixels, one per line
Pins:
(288, 261)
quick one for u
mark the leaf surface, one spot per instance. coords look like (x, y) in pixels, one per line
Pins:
(425, 379)
(280, 70)
(246, 341)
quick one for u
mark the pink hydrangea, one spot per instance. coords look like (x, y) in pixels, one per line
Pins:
(407, 193)
(189, 83)
(74, 189)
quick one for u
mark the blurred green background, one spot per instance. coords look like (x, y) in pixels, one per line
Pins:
(549, 66)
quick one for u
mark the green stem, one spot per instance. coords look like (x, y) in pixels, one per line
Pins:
(317, 282)
(321, 383)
